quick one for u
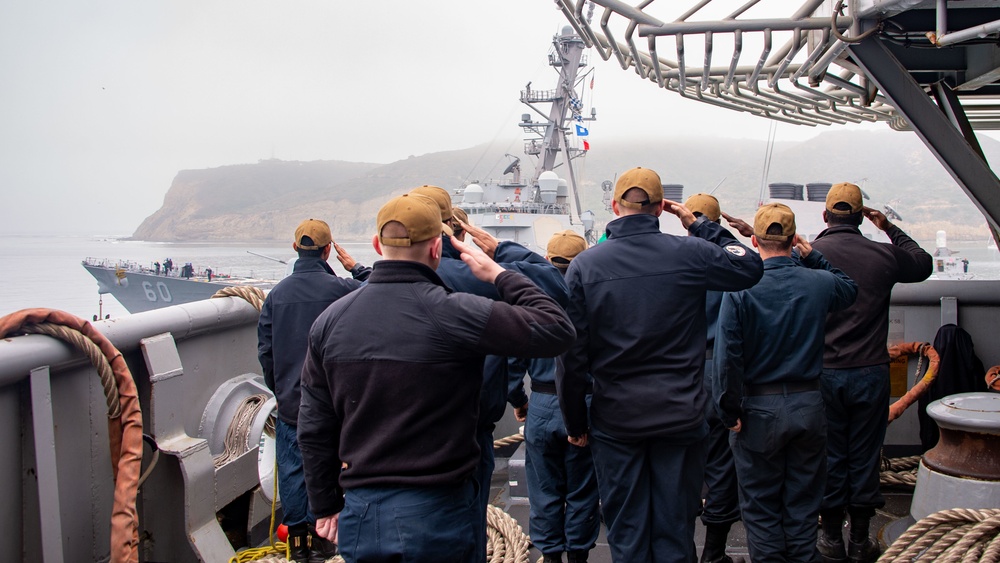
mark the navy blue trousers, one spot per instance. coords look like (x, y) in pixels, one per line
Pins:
(650, 495)
(482, 479)
(722, 497)
(857, 413)
(780, 455)
(562, 485)
(409, 524)
(291, 477)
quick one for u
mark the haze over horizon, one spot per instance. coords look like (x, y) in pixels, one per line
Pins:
(104, 102)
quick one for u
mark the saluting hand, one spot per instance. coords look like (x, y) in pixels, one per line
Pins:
(345, 259)
(877, 218)
(741, 226)
(482, 239)
(682, 212)
(481, 265)
(803, 246)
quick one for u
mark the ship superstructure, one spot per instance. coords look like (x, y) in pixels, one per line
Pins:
(530, 210)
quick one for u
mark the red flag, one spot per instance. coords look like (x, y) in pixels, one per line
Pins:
(591, 82)
(586, 146)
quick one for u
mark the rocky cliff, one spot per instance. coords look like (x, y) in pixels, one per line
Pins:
(266, 200)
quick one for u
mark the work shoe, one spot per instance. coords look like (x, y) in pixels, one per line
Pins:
(577, 556)
(298, 544)
(552, 557)
(321, 549)
(831, 549)
(863, 552)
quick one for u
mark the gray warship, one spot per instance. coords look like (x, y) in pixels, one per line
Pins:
(920, 65)
(140, 289)
(529, 211)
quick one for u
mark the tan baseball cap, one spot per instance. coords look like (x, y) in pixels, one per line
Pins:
(705, 204)
(844, 192)
(460, 214)
(563, 247)
(418, 213)
(439, 195)
(316, 230)
(770, 214)
(642, 178)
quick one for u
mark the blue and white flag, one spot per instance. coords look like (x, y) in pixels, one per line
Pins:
(581, 131)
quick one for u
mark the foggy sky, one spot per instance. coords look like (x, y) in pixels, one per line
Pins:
(103, 101)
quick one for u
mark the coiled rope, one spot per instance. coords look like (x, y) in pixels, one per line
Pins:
(949, 536)
(237, 440)
(899, 471)
(506, 541)
(509, 440)
(252, 295)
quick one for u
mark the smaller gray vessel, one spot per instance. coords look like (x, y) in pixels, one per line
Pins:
(140, 289)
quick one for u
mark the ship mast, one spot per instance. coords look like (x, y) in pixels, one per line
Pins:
(567, 57)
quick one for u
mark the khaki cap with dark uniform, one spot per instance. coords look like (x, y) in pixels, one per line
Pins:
(443, 200)
(644, 179)
(844, 192)
(771, 214)
(418, 213)
(318, 231)
(705, 204)
(563, 247)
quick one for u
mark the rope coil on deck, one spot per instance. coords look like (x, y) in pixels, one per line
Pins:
(252, 295)
(899, 471)
(949, 536)
(237, 440)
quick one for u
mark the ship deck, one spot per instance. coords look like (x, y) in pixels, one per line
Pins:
(897, 506)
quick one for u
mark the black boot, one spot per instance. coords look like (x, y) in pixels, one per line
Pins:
(831, 542)
(716, 536)
(861, 548)
(298, 543)
(322, 549)
(577, 556)
(552, 557)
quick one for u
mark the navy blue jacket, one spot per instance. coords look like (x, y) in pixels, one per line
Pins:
(637, 301)
(514, 257)
(289, 310)
(773, 332)
(856, 336)
(392, 374)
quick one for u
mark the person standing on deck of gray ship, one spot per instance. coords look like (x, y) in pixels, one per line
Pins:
(856, 367)
(768, 357)
(722, 503)
(289, 310)
(637, 301)
(388, 418)
(457, 275)
(562, 486)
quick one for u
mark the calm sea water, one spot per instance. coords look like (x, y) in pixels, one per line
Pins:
(46, 272)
